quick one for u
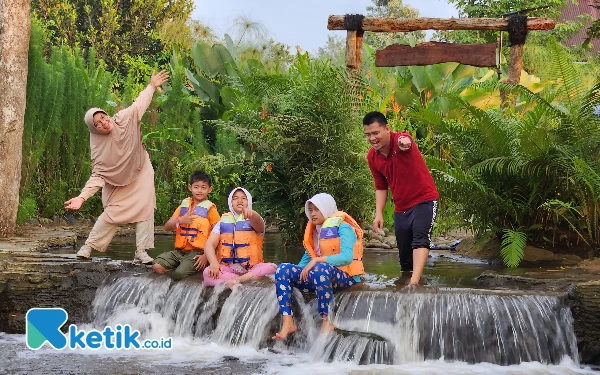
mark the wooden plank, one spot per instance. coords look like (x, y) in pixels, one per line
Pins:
(359, 41)
(351, 49)
(414, 24)
(435, 53)
(515, 65)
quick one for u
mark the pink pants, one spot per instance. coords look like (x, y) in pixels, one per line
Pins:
(228, 273)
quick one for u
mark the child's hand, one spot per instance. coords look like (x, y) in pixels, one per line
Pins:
(214, 269)
(188, 217)
(201, 262)
(247, 213)
(306, 270)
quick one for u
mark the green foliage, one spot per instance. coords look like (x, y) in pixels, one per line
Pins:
(496, 9)
(512, 246)
(502, 171)
(27, 210)
(114, 28)
(304, 138)
(173, 136)
(56, 156)
(392, 9)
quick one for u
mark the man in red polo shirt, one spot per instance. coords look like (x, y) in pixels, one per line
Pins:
(397, 164)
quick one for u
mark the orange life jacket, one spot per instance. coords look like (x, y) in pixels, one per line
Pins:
(239, 242)
(196, 233)
(330, 243)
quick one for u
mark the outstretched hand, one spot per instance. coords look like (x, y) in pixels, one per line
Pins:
(158, 79)
(74, 203)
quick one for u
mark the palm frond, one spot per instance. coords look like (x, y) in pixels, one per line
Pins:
(512, 247)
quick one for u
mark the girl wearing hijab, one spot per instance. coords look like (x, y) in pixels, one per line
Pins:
(332, 261)
(238, 238)
(121, 167)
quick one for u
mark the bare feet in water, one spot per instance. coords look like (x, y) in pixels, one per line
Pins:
(287, 328)
(326, 327)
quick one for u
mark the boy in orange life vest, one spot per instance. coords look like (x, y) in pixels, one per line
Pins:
(332, 261)
(238, 238)
(192, 222)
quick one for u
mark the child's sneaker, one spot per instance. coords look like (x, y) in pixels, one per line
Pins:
(142, 257)
(85, 252)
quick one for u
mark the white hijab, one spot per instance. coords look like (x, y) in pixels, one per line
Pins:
(326, 204)
(248, 196)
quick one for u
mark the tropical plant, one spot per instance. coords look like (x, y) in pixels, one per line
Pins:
(507, 172)
(304, 138)
(114, 28)
(56, 161)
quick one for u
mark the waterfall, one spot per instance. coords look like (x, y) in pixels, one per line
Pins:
(373, 326)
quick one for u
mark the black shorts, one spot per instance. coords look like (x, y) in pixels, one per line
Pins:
(413, 230)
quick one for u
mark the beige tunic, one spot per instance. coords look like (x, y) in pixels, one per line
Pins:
(135, 201)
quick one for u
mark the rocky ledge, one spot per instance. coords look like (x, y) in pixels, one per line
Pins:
(31, 275)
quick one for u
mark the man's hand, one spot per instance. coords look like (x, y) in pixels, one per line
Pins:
(214, 269)
(201, 262)
(74, 203)
(188, 217)
(404, 143)
(160, 78)
(378, 224)
(306, 270)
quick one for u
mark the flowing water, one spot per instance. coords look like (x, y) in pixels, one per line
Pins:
(449, 328)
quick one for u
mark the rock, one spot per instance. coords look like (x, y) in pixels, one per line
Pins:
(31, 279)
(386, 232)
(377, 237)
(586, 313)
(492, 279)
(590, 264)
(568, 259)
(489, 249)
(390, 240)
(534, 254)
(373, 243)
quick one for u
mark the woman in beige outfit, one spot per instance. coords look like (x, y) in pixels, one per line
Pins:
(121, 167)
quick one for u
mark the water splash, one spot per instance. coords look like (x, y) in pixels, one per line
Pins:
(374, 326)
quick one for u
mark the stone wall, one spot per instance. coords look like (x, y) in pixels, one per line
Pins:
(32, 279)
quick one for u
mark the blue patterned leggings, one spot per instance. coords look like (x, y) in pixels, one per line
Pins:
(323, 279)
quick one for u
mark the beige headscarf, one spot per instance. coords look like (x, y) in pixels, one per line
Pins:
(119, 156)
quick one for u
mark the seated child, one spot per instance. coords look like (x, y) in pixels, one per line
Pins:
(332, 261)
(192, 221)
(238, 238)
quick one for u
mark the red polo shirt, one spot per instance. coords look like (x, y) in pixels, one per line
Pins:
(404, 173)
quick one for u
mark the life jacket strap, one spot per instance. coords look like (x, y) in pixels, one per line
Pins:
(185, 232)
(234, 258)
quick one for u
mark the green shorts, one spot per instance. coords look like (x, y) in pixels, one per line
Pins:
(181, 263)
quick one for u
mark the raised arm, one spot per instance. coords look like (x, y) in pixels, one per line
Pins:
(140, 105)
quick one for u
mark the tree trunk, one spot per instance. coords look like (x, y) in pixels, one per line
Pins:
(14, 45)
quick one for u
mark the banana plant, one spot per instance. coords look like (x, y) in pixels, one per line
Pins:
(216, 79)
